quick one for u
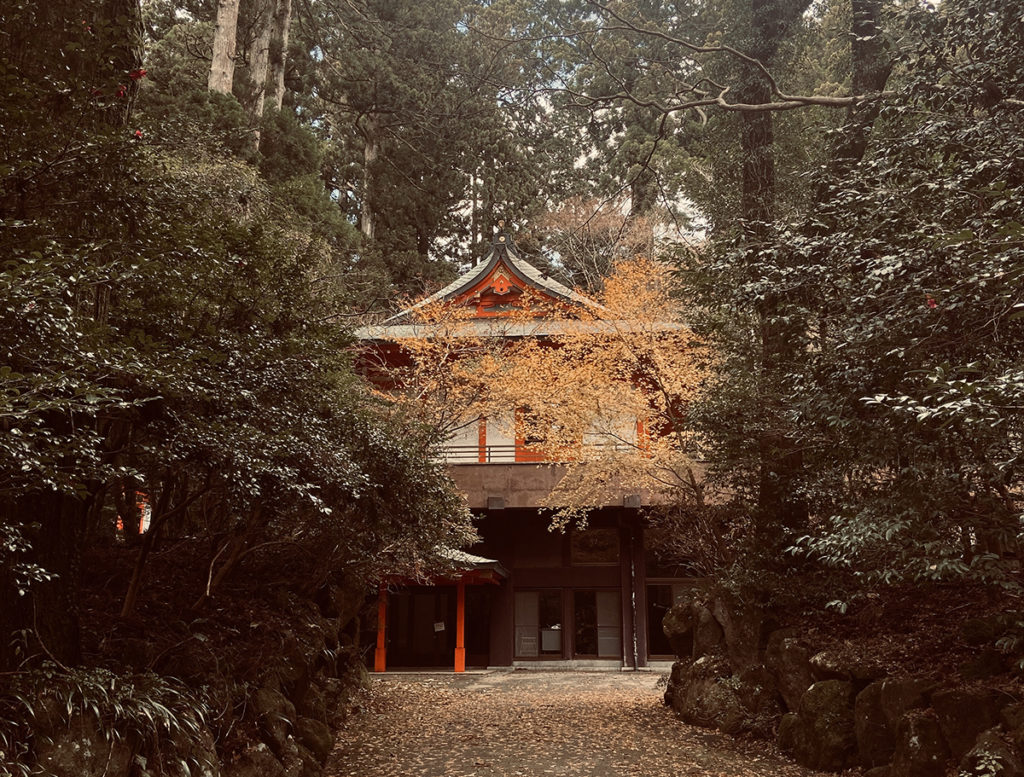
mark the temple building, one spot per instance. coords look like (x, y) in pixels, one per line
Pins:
(525, 596)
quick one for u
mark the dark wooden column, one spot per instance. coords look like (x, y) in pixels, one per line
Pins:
(640, 587)
(380, 655)
(626, 586)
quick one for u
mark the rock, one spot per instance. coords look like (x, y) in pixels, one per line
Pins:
(758, 692)
(788, 659)
(830, 665)
(274, 716)
(191, 661)
(900, 694)
(877, 712)
(718, 706)
(986, 630)
(786, 738)
(678, 625)
(707, 634)
(920, 748)
(200, 756)
(1012, 717)
(78, 748)
(703, 693)
(823, 737)
(963, 713)
(992, 755)
(315, 736)
(299, 762)
(876, 742)
(313, 704)
(292, 669)
(759, 696)
(676, 678)
(254, 761)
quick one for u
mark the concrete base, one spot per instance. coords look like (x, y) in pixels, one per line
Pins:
(575, 665)
(660, 666)
(431, 671)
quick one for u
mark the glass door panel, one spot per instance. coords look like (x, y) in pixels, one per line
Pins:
(598, 624)
(538, 624)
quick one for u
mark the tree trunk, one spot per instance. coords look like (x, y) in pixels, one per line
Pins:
(279, 52)
(371, 153)
(222, 69)
(259, 66)
(871, 64)
(780, 508)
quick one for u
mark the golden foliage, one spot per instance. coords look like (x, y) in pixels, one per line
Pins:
(602, 389)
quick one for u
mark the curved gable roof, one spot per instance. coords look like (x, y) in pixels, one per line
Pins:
(502, 254)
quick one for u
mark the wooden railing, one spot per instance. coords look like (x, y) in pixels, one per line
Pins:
(511, 453)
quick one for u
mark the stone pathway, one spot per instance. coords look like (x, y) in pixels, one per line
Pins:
(535, 724)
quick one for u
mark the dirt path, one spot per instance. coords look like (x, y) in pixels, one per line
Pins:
(534, 724)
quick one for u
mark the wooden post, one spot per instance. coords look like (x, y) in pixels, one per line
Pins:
(380, 656)
(481, 434)
(460, 626)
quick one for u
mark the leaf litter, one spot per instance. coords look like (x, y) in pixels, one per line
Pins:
(535, 724)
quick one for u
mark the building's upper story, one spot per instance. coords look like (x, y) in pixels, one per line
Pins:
(501, 454)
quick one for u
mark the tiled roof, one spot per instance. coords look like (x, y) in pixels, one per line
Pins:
(467, 561)
(501, 250)
(501, 327)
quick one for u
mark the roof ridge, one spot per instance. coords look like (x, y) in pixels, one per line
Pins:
(501, 250)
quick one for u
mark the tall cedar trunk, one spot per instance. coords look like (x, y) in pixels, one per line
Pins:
(222, 68)
(371, 153)
(259, 65)
(780, 508)
(279, 52)
(871, 67)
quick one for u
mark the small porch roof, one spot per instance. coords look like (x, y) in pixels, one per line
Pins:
(469, 563)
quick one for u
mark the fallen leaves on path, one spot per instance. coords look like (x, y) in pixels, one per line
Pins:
(518, 724)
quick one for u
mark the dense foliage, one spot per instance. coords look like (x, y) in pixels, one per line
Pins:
(171, 337)
(901, 289)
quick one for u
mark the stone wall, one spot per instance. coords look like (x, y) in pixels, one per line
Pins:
(278, 724)
(832, 712)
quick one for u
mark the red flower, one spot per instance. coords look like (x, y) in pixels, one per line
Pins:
(930, 302)
(136, 74)
(138, 133)
(121, 90)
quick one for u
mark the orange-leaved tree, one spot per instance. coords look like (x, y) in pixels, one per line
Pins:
(601, 389)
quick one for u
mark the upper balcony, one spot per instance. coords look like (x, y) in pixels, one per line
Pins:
(520, 453)
(514, 475)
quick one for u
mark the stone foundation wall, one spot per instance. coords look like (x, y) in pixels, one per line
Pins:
(829, 712)
(279, 723)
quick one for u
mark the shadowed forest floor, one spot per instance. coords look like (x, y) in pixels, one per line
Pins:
(533, 724)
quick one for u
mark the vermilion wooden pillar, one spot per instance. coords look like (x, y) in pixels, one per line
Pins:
(380, 656)
(460, 627)
(481, 435)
